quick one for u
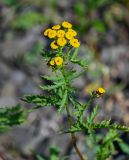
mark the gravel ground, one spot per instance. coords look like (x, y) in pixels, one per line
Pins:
(18, 77)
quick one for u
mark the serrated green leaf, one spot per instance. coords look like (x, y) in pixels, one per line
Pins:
(106, 124)
(111, 135)
(41, 100)
(10, 116)
(91, 117)
(107, 145)
(62, 103)
(50, 87)
(77, 105)
(53, 78)
(76, 75)
(82, 63)
(47, 54)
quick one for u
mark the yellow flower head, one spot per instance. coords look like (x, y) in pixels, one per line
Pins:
(72, 31)
(66, 24)
(75, 43)
(58, 61)
(52, 34)
(69, 35)
(56, 27)
(47, 31)
(60, 33)
(54, 45)
(61, 41)
(101, 90)
(52, 62)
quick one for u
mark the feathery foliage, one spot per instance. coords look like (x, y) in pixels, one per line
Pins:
(10, 116)
(60, 93)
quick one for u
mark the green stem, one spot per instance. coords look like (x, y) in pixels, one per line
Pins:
(74, 139)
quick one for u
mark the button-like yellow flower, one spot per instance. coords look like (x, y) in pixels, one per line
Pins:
(72, 31)
(66, 24)
(56, 27)
(54, 45)
(52, 62)
(101, 90)
(52, 34)
(58, 61)
(61, 41)
(74, 42)
(46, 32)
(69, 35)
(60, 33)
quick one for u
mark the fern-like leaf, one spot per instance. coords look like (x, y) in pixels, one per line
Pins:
(10, 116)
(63, 101)
(91, 117)
(47, 54)
(53, 78)
(41, 100)
(106, 124)
(50, 87)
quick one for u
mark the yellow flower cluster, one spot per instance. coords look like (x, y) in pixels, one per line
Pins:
(99, 92)
(56, 61)
(62, 34)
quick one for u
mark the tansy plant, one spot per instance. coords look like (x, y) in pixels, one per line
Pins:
(60, 59)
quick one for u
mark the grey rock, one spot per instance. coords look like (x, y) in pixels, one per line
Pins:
(111, 54)
(8, 101)
(5, 70)
(17, 77)
(18, 46)
(9, 89)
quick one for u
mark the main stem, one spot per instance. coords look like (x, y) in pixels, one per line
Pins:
(74, 139)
